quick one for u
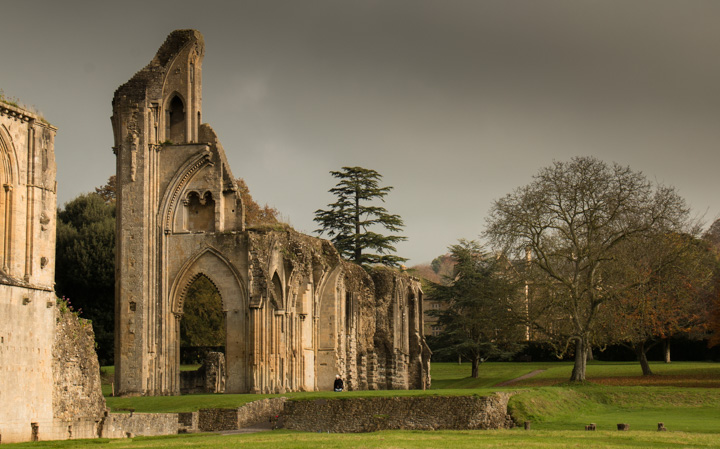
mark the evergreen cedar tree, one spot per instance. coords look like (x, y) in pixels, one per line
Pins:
(349, 220)
(573, 220)
(482, 298)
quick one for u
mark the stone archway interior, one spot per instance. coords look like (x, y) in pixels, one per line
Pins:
(202, 327)
(211, 266)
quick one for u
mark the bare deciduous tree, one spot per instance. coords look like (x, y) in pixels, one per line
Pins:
(572, 218)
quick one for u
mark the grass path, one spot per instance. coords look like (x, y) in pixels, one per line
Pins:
(518, 379)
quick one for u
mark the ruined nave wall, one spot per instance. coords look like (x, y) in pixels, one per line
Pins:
(38, 391)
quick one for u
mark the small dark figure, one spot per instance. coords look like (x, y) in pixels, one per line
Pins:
(338, 383)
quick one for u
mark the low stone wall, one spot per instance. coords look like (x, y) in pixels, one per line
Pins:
(188, 422)
(122, 425)
(217, 419)
(55, 429)
(262, 410)
(408, 413)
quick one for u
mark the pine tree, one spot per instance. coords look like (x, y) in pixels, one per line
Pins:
(349, 221)
(481, 300)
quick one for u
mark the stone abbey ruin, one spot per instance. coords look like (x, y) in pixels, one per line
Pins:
(49, 374)
(296, 314)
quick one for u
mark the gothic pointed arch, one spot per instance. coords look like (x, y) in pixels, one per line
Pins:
(276, 293)
(8, 179)
(212, 264)
(176, 116)
(277, 286)
(176, 188)
(8, 159)
(327, 361)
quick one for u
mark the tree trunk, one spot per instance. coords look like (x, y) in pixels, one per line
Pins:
(358, 249)
(475, 366)
(666, 347)
(578, 372)
(590, 354)
(641, 353)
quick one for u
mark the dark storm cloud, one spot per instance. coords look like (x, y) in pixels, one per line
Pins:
(455, 102)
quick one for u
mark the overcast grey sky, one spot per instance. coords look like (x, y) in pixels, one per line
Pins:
(455, 103)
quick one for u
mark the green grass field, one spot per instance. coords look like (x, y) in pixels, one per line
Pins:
(683, 395)
(407, 439)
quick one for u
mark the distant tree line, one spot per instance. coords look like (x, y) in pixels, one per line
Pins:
(589, 255)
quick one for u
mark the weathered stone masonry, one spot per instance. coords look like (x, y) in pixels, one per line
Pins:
(296, 313)
(400, 413)
(49, 377)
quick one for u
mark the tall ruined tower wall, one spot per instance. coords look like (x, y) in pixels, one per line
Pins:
(165, 161)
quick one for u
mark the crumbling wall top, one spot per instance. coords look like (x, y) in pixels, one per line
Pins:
(135, 89)
(175, 42)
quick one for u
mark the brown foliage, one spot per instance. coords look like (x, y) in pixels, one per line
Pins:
(254, 213)
(108, 191)
(712, 235)
(425, 272)
(674, 298)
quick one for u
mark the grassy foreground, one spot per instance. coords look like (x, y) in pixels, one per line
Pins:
(684, 396)
(408, 439)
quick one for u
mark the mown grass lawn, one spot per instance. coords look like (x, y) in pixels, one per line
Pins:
(572, 407)
(683, 395)
(408, 439)
(689, 374)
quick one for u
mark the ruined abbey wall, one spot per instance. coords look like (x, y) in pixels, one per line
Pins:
(27, 269)
(33, 405)
(296, 313)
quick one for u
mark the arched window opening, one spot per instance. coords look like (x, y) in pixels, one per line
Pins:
(176, 121)
(6, 189)
(202, 327)
(200, 212)
(4, 223)
(277, 292)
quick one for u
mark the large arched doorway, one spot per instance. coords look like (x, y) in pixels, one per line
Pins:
(210, 265)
